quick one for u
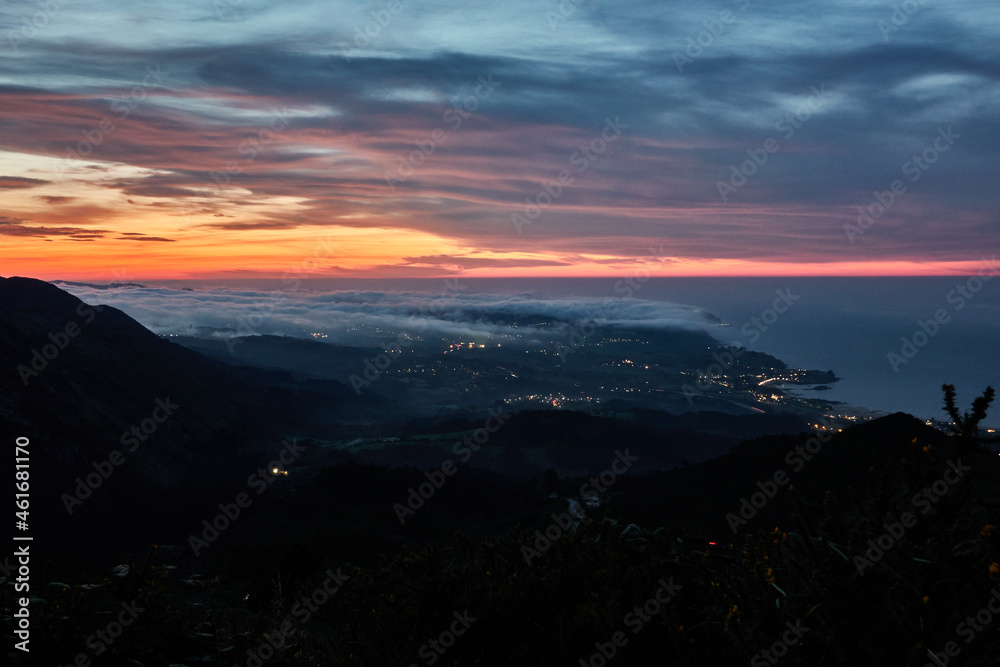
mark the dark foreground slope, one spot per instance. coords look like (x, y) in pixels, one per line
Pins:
(346, 564)
(779, 468)
(878, 548)
(127, 430)
(327, 574)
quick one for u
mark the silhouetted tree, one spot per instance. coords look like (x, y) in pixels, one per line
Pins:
(966, 425)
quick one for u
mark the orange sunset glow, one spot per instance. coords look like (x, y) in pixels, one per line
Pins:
(250, 161)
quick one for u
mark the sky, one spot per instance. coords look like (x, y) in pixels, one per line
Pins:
(406, 139)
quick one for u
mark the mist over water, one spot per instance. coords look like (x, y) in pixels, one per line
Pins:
(370, 316)
(848, 325)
